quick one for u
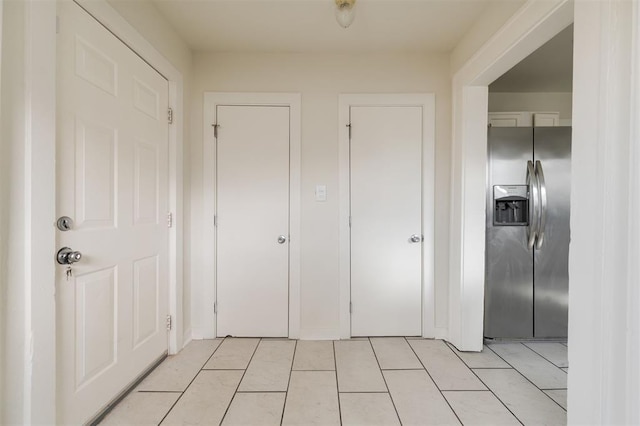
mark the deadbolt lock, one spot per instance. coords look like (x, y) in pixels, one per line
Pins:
(65, 223)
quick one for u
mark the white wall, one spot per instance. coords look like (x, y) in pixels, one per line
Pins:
(4, 195)
(551, 102)
(604, 272)
(28, 105)
(12, 202)
(490, 21)
(320, 78)
(153, 26)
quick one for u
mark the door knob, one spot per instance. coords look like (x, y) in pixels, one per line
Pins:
(282, 239)
(66, 256)
(415, 238)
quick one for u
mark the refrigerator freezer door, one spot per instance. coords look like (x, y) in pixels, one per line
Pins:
(509, 263)
(552, 148)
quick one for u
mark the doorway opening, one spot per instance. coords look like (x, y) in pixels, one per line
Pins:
(527, 263)
(534, 26)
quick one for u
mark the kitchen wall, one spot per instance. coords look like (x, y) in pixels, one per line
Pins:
(542, 102)
(320, 78)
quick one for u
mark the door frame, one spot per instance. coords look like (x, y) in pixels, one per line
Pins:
(427, 102)
(530, 27)
(211, 101)
(40, 340)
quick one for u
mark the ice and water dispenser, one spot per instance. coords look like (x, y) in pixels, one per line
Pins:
(511, 207)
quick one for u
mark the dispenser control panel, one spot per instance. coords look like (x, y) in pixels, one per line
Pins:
(510, 205)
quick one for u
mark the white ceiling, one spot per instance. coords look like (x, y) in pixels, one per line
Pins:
(310, 25)
(286, 26)
(548, 69)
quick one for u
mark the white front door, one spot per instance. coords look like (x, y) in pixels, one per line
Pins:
(112, 180)
(252, 198)
(386, 220)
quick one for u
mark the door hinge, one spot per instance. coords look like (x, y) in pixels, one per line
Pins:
(57, 25)
(350, 307)
(215, 220)
(169, 219)
(215, 307)
(169, 323)
(349, 221)
(349, 127)
(170, 115)
(215, 130)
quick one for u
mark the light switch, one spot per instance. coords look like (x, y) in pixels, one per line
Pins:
(321, 192)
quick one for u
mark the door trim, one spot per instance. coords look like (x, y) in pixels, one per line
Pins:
(211, 100)
(427, 102)
(530, 27)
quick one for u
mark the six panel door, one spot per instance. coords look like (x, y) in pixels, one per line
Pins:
(112, 180)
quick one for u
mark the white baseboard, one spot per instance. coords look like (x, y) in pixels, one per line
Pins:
(319, 334)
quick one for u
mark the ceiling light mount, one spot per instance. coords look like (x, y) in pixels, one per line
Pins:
(345, 12)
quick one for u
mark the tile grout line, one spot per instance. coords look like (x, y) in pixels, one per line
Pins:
(240, 381)
(497, 397)
(542, 356)
(375, 355)
(539, 388)
(536, 353)
(192, 380)
(434, 382)
(223, 369)
(487, 368)
(313, 370)
(335, 364)
(487, 386)
(525, 377)
(401, 369)
(286, 393)
(335, 370)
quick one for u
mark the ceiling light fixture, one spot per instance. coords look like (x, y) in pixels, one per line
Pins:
(345, 12)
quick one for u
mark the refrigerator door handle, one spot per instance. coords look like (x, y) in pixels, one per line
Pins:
(534, 208)
(542, 193)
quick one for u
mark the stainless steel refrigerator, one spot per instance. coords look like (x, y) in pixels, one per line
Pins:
(527, 238)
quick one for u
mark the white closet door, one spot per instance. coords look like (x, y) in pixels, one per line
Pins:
(252, 221)
(386, 211)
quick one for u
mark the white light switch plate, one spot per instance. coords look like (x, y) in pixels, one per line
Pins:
(321, 192)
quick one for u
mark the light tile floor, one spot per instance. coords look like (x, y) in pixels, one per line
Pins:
(376, 381)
